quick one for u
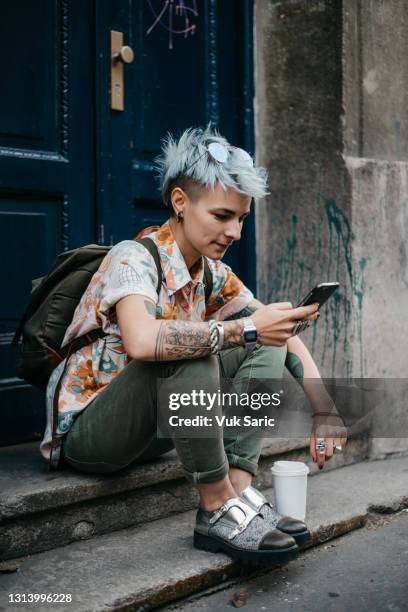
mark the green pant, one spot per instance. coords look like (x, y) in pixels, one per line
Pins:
(120, 426)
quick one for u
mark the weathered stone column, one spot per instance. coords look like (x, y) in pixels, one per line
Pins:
(331, 127)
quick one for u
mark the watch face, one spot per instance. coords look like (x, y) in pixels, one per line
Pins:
(251, 336)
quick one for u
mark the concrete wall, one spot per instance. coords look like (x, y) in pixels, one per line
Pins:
(380, 239)
(304, 226)
(375, 82)
(331, 125)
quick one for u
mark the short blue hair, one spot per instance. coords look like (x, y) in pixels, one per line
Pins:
(183, 163)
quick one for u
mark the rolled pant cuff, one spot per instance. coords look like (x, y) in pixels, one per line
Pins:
(243, 464)
(209, 476)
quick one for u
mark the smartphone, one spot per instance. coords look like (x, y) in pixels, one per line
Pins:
(320, 294)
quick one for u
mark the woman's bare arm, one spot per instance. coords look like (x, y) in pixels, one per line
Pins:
(148, 339)
(304, 369)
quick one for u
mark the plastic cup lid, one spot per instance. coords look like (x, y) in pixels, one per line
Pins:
(289, 468)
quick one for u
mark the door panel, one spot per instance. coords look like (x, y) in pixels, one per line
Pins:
(47, 202)
(24, 118)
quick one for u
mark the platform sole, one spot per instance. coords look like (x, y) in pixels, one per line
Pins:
(253, 557)
(301, 538)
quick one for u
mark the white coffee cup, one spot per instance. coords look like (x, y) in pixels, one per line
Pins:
(290, 485)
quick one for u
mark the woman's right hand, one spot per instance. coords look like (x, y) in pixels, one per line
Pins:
(275, 323)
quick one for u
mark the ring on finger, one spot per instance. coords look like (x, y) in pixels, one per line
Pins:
(296, 328)
(300, 326)
(321, 446)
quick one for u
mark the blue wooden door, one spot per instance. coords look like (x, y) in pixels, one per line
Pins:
(72, 169)
(47, 171)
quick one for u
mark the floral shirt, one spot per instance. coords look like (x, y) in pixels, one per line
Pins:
(129, 269)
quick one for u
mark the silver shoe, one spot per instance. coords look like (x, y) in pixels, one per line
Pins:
(241, 532)
(288, 525)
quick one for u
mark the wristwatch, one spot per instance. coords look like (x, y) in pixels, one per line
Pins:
(249, 333)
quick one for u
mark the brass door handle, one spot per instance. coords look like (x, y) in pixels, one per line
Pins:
(120, 55)
(125, 55)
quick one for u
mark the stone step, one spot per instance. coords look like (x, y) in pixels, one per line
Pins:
(149, 565)
(41, 510)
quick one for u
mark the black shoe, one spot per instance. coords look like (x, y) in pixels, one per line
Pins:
(243, 534)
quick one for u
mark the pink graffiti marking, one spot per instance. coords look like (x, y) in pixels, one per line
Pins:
(171, 14)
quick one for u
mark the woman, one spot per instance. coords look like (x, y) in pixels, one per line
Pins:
(172, 331)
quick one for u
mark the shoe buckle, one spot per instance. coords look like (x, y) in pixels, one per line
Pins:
(238, 529)
(218, 513)
(249, 515)
(253, 498)
(235, 502)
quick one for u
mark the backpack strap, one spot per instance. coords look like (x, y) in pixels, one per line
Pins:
(208, 281)
(150, 245)
(81, 341)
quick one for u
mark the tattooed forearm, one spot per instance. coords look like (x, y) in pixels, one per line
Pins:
(245, 312)
(189, 340)
(182, 340)
(233, 333)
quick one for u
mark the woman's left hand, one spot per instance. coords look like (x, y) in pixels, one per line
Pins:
(329, 431)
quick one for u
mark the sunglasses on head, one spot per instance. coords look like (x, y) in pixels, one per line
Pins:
(220, 153)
